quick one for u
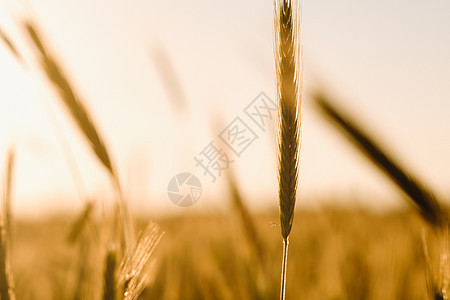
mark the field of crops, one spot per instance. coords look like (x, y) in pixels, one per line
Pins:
(104, 251)
(335, 254)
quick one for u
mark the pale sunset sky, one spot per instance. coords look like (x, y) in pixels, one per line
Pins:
(387, 61)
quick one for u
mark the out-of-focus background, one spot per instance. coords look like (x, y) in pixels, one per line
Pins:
(387, 62)
(164, 81)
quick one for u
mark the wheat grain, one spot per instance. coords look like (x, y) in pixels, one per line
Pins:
(289, 88)
(133, 274)
(288, 83)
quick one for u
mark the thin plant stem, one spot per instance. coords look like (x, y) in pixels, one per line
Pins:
(284, 268)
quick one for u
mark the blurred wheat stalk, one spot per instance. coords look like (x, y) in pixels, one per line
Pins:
(289, 88)
(70, 99)
(10, 45)
(138, 260)
(6, 278)
(84, 121)
(423, 200)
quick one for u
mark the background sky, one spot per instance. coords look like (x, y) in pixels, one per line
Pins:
(388, 63)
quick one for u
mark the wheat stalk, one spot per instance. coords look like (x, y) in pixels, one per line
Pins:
(84, 122)
(81, 222)
(170, 80)
(109, 275)
(70, 98)
(421, 198)
(249, 228)
(248, 223)
(6, 286)
(11, 157)
(289, 88)
(88, 278)
(9, 44)
(6, 279)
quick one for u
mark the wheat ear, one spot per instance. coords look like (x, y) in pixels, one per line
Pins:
(83, 120)
(289, 75)
(70, 98)
(133, 273)
(422, 199)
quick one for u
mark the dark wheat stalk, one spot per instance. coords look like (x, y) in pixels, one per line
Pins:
(289, 88)
(422, 199)
(109, 275)
(70, 98)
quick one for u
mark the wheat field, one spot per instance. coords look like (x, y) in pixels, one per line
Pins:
(104, 251)
(335, 254)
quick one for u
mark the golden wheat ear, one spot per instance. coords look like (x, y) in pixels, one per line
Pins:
(423, 200)
(288, 69)
(289, 93)
(69, 98)
(134, 271)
